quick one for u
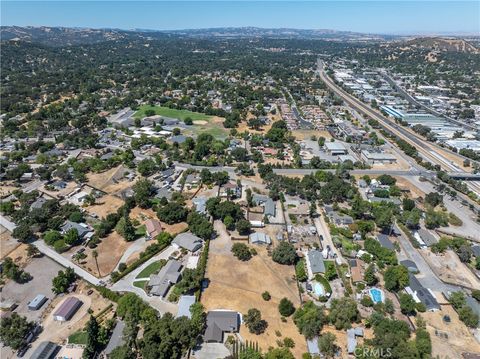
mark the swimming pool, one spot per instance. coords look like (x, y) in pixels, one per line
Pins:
(376, 295)
(318, 289)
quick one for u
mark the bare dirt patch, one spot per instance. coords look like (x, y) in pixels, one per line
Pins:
(449, 268)
(105, 205)
(449, 340)
(307, 134)
(7, 242)
(110, 250)
(238, 285)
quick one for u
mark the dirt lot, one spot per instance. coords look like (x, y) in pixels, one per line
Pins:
(110, 250)
(307, 134)
(459, 337)
(237, 285)
(43, 270)
(105, 205)
(19, 255)
(110, 181)
(61, 193)
(7, 243)
(449, 268)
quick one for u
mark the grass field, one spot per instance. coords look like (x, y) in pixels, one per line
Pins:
(151, 268)
(170, 112)
(79, 337)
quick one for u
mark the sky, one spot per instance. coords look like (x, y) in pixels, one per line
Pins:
(385, 17)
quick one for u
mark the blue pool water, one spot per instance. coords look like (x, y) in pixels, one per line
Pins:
(318, 289)
(376, 295)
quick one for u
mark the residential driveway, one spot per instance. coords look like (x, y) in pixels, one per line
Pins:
(135, 247)
(126, 284)
(210, 350)
(426, 276)
(43, 271)
(322, 229)
(49, 252)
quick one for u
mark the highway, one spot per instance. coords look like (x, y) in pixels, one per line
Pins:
(427, 150)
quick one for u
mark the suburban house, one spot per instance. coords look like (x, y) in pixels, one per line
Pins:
(169, 275)
(192, 180)
(337, 218)
(315, 262)
(231, 189)
(188, 241)
(83, 230)
(422, 294)
(385, 241)
(352, 335)
(269, 208)
(356, 270)
(153, 228)
(219, 322)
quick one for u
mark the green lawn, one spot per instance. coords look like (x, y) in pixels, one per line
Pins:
(151, 268)
(79, 337)
(140, 231)
(140, 284)
(170, 112)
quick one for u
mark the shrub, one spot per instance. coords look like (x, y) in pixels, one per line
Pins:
(284, 253)
(285, 307)
(241, 251)
(266, 296)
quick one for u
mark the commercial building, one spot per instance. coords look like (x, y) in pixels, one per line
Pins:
(68, 309)
(373, 158)
(335, 148)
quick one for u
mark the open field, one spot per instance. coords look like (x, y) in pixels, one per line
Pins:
(110, 250)
(105, 205)
(170, 112)
(238, 285)
(212, 125)
(459, 337)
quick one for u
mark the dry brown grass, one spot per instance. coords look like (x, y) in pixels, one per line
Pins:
(238, 285)
(459, 337)
(7, 243)
(110, 250)
(105, 205)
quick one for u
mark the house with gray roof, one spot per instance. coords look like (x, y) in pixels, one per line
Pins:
(38, 203)
(425, 236)
(259, 238)
(269, 207)
(421, 294)
(315, 261)
(178, 139)
(352, 335)
(200, 204)
(188, 241)
(116, 339)
(476, 250)
(82, 229)
(385, 241)
(169, 275)
(219, 322)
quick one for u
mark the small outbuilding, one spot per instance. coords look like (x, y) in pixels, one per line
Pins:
(37, 302)
(67, 309)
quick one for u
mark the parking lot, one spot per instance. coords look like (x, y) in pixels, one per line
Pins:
(43, 270)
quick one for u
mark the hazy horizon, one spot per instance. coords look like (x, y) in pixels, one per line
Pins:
(374, 17)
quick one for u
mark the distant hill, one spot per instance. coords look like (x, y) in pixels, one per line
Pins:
(62, 36)
(442, 45)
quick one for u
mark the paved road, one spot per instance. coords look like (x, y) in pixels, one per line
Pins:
(6, 223)
(126, 285)
(49, 252)
(306, 171)
(135, 247)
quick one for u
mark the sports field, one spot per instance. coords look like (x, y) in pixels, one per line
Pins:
(170, 112)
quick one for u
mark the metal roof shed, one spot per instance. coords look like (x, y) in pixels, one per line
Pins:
(68, 308)
(37, 302)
